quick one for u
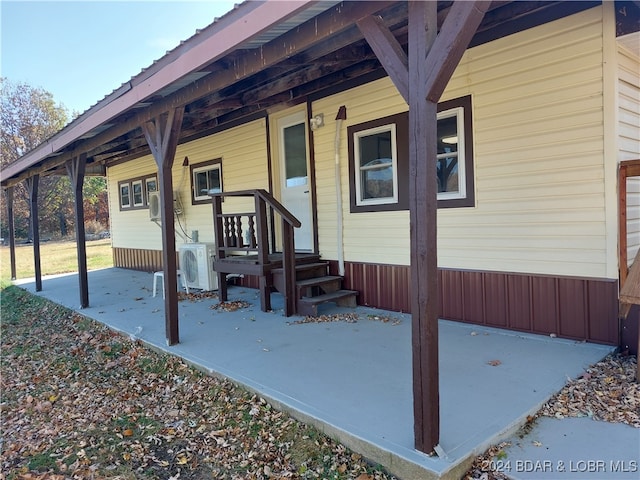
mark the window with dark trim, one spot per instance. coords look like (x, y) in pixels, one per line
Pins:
(383, 137)
(125, 195)
(379, 160)
(206, 178)
(134, 193)
(151, 185)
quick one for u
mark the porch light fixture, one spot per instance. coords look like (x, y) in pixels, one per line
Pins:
(450, 140)
(317, 121)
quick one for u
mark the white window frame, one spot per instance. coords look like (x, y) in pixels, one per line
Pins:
(121, 188)
(358, 169)
(198, 196)
(457, 112)
(134, 184)
(147, 182)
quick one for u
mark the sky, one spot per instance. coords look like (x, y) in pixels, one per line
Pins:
(80, 51)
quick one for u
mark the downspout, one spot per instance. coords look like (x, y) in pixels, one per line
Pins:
(342, 115)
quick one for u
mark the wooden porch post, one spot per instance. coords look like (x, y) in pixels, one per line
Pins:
(162, 135)
(32, 189)
(423, 190)
(420, 78)
(12, 231)
(75, 170)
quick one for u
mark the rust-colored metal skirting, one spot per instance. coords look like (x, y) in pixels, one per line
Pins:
(569, 307)
(138, 259)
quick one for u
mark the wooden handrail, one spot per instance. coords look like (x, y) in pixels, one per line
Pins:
(268, 198)
(228, 230)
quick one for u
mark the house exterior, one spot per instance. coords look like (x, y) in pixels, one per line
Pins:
(529, 241)
(473, 161)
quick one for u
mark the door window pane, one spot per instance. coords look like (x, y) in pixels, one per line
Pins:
(295, 155)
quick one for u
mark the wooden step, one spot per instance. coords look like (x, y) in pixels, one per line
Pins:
(311, 270)
(309, 305)
(304, 271)
(314, 286)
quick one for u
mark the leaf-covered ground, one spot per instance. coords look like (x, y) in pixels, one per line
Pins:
(81, 401)
(606, 391)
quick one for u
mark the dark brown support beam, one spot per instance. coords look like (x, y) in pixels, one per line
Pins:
(162, 135)
(458, 29)
(12, 231)
(388, 50)
(32, 189)
(623, 261)
(75, 169)
(423, 190)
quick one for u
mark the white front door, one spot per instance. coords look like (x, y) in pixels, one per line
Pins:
(295, 180)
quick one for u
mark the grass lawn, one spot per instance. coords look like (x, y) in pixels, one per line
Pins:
(56, 257)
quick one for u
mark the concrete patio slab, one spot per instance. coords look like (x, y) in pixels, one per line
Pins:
(574, 448)
(351, 380)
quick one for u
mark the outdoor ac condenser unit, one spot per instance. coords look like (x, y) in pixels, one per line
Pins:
(196, 263)
(154, 206)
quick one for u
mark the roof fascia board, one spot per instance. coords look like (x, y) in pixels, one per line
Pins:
(262, 16)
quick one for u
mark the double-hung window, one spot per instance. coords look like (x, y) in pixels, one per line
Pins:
(125, 195)
(450, 164)
(151, 185)
(206, 178)
(454, 165)
(138, 195)
(377, 170)
(379, 160)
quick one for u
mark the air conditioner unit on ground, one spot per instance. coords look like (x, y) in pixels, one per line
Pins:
(196, 263)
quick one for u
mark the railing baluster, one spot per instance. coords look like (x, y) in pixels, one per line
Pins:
(252, 231)
(240, 242)
(227, 235)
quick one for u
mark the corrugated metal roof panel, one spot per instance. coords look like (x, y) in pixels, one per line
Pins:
(289, 24)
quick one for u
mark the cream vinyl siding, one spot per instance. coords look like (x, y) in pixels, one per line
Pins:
(131, 228)
(244, 166)
(629, 140)
(537, 101)
(376, 237)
